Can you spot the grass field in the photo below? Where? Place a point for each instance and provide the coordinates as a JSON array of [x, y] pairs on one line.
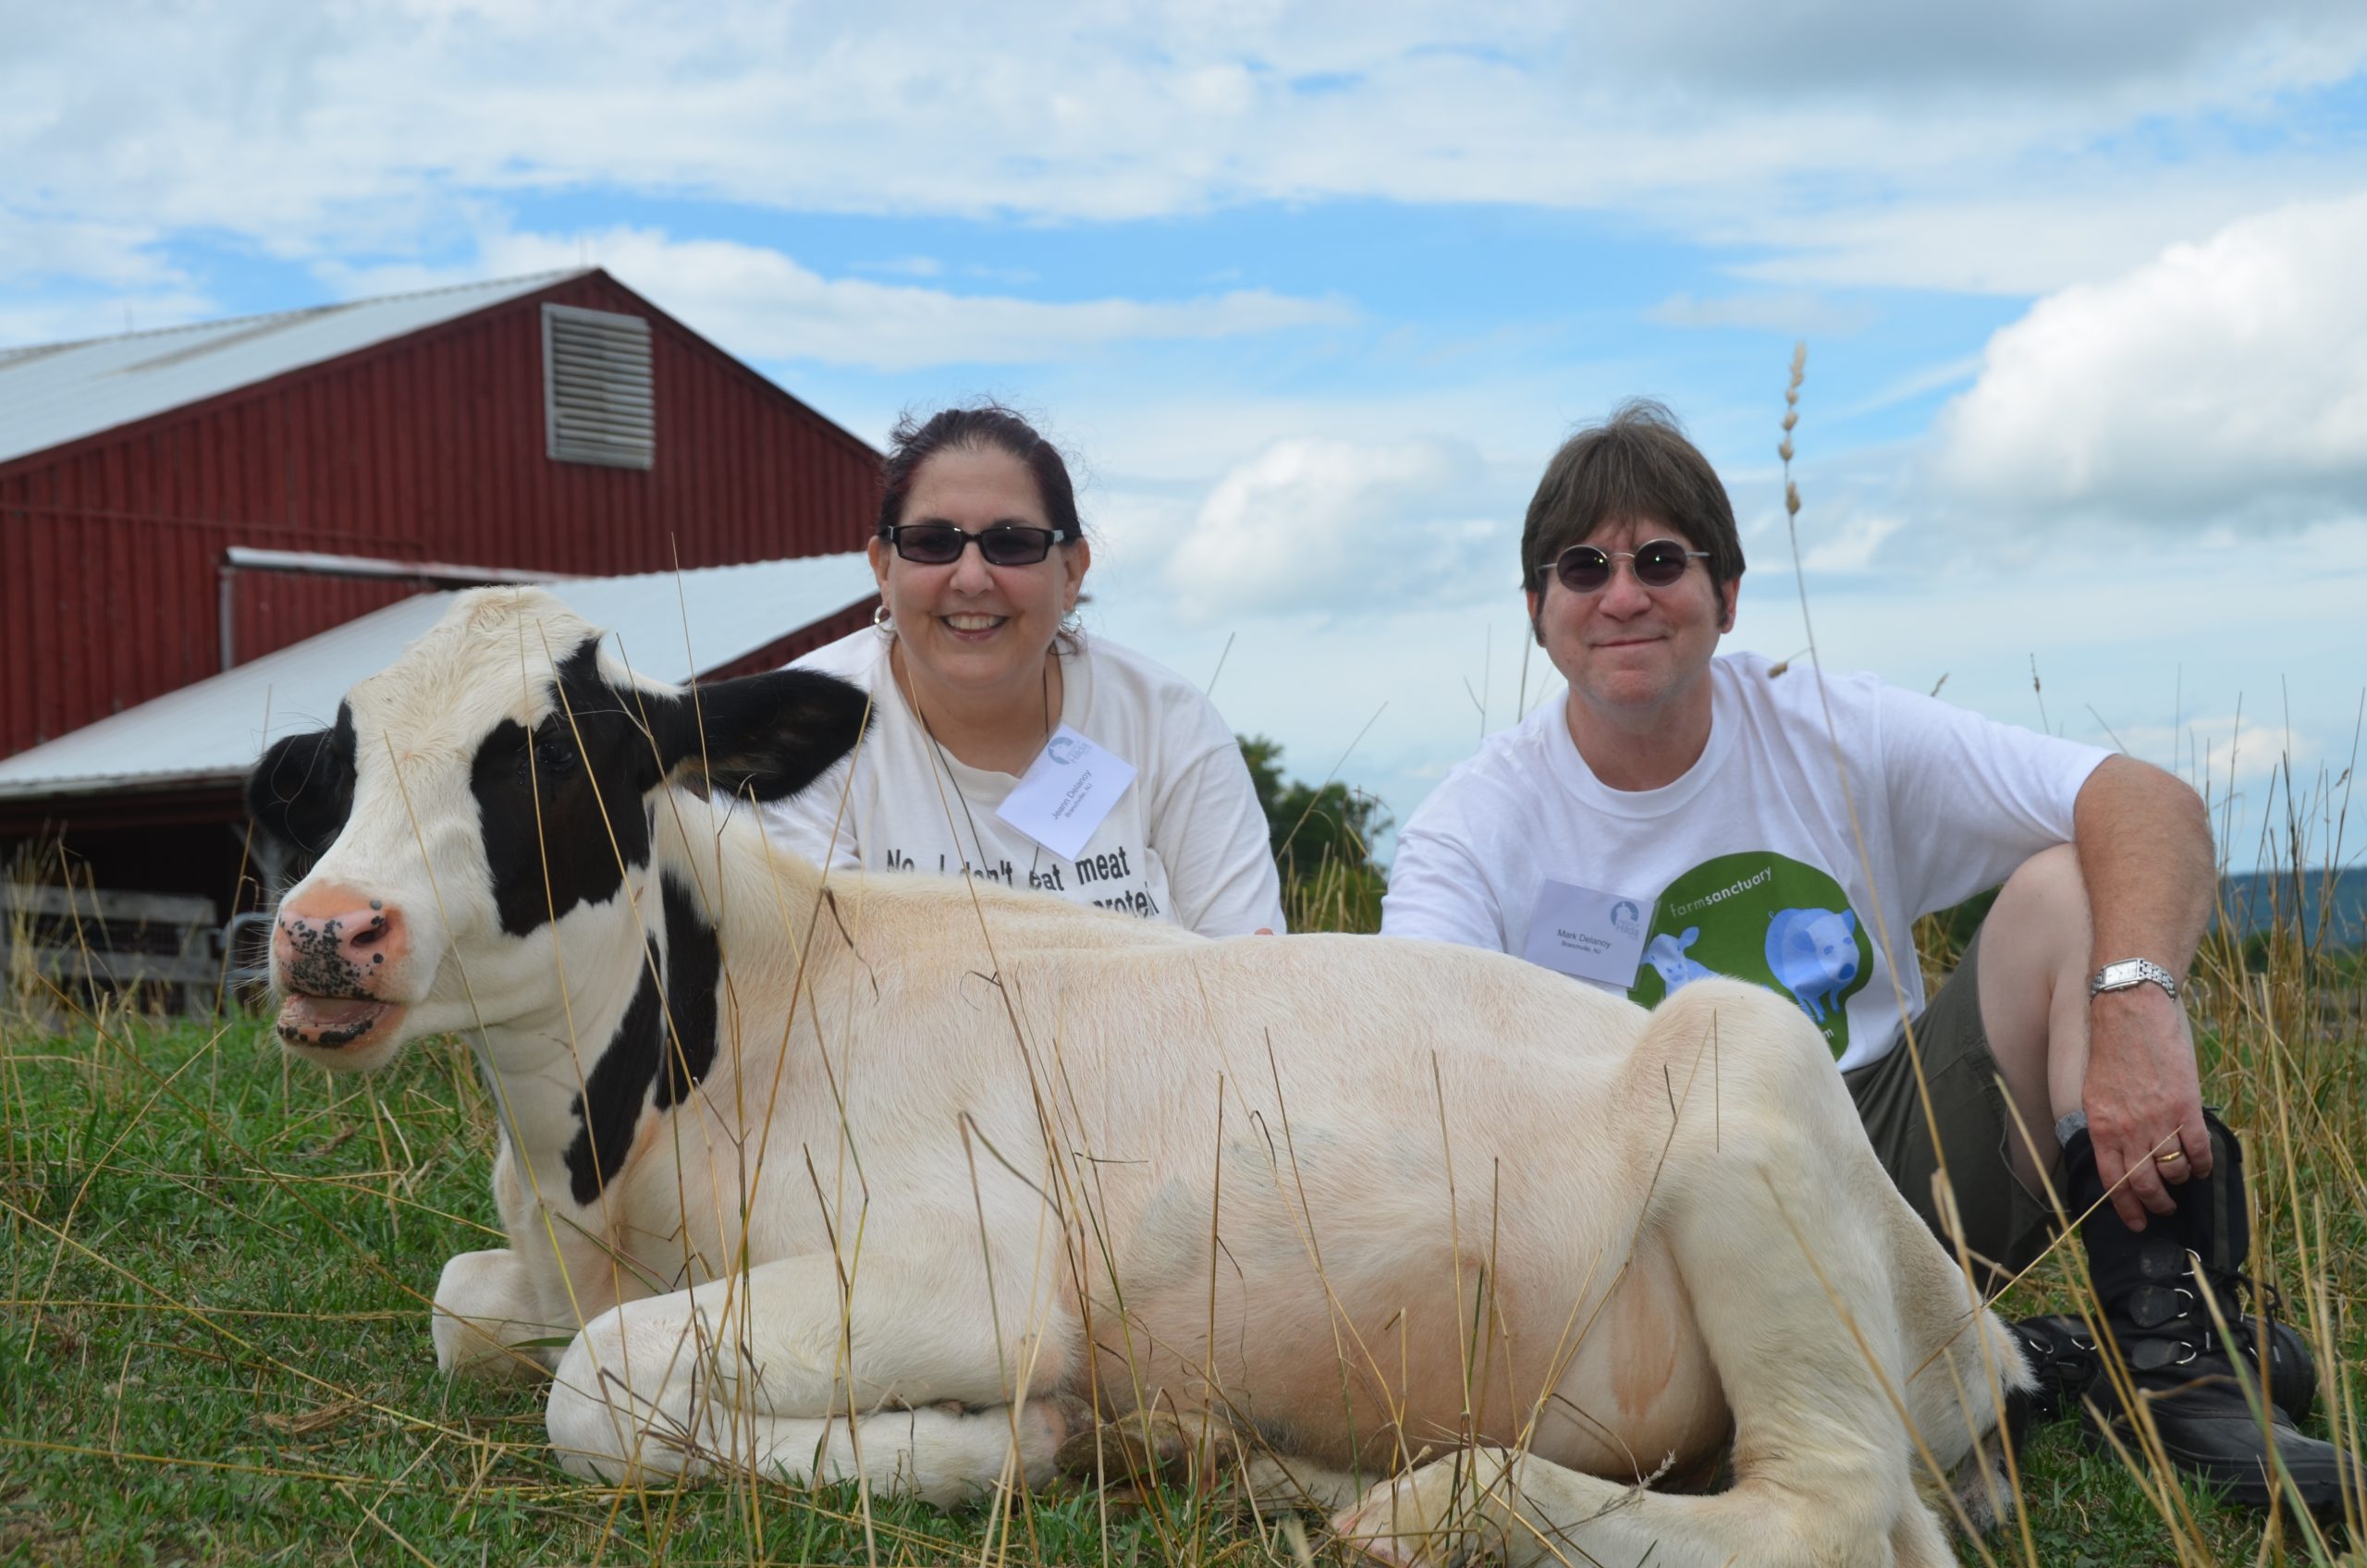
[[214, 1346]]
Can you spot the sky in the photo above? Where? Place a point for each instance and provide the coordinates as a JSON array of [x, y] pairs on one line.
[[1310, 293]]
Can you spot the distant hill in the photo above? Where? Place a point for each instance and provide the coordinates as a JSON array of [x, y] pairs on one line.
[[2254, 898]]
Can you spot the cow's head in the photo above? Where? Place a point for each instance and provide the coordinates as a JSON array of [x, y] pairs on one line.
[[498, 780]]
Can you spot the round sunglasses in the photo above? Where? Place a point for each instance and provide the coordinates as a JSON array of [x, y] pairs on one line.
[[1657, 563], [940, 543]]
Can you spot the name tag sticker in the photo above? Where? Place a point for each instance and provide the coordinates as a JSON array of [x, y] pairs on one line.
[[1066, 792], [1593, 936]]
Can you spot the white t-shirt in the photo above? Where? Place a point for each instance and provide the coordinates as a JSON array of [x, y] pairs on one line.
[[1748, 862], [1185, 843]]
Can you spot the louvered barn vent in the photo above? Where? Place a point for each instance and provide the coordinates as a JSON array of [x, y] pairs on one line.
[[597, 399]]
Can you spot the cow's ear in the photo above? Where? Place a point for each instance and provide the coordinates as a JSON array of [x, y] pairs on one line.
[[768, 736], [302, 788]]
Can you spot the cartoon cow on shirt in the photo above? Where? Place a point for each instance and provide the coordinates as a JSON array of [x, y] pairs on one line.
[[1667, 955]]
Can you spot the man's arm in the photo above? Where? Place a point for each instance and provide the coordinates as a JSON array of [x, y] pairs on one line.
[[2143, 840]]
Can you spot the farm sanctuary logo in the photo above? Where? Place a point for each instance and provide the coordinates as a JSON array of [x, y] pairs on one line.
[[1767, 919]]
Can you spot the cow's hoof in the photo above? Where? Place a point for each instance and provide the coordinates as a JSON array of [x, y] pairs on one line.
[[1151, 1446]]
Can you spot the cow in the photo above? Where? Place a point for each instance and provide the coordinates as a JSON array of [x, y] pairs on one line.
[[946, 1186]]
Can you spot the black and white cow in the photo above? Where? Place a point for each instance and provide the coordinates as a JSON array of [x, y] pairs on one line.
[[913, 1178]]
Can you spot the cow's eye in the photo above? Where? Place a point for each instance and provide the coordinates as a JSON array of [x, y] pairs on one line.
[[553, 756]]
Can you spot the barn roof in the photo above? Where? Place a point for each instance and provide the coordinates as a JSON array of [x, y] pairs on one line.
[[211, 731], [53, 393]]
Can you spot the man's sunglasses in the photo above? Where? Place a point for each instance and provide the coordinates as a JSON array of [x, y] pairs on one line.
[[1657, 564], [940, 543]]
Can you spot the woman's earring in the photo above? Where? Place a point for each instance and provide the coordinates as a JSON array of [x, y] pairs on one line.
[[1071, 624], [883, 622]]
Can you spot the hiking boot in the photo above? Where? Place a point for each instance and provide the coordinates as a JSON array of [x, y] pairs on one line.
[[2191, 1381], [2061, 1352], [2063, 1357]]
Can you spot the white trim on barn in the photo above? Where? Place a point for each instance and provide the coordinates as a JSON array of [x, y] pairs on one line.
[[669, 626]]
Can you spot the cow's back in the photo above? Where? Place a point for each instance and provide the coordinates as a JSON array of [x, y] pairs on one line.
[[1282, 1154], [1305, 1143]]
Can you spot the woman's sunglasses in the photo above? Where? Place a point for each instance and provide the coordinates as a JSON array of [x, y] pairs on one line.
[[1657, 564], [940, 543]]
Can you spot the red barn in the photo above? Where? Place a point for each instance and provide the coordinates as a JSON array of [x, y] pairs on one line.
[[178, 502]]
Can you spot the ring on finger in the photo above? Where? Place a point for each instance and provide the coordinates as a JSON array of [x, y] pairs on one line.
[[2170, 1158]]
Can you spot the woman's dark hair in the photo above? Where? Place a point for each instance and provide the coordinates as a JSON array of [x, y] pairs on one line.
[[1636, 464], [914, 442]]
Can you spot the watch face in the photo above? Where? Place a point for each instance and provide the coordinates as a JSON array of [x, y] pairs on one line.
[[2124, 973]]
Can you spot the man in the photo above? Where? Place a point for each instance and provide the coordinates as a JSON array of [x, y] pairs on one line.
[[1681, 815]]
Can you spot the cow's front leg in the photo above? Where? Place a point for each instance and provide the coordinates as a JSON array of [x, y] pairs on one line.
[[486, 1321], [751, 1368]]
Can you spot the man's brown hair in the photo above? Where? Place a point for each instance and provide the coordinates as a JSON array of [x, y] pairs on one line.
[[1638, 465]]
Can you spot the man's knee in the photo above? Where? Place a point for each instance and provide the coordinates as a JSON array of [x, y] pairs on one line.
[[2048, 887]]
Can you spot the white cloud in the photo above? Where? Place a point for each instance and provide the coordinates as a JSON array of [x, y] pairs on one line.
[[2217, 753], [1980, 229], [767, 306], [1852, 548], [1798, 311], [905, 266], [1914, 51], [2227, 376], [1856, 140], [1313, 525], [66, 278]]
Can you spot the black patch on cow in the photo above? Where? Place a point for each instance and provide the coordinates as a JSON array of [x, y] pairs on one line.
[[693, 973], [679, 984], [300, 791], [768, 736], [572, 785], [579, 777], [609, 1106]]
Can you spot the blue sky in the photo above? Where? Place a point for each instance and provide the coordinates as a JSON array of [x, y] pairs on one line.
[[1311, 292]]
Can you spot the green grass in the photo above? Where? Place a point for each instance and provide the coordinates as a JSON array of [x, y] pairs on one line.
[[214, 1349], [214, 1269]]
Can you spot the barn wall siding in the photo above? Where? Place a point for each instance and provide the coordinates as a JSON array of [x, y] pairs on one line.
[[429, 447]]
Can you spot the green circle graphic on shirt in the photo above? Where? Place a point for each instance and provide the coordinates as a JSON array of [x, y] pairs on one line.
[[1768, 919]]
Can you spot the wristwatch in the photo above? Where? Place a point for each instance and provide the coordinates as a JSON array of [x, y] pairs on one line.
[[2130, 972]]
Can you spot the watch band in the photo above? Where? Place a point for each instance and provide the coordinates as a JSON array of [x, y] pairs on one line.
[[2120, 976]]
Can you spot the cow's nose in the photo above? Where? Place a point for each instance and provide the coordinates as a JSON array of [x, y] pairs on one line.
[[334, 941]]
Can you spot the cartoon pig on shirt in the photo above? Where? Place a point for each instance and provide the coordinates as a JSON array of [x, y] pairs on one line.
[[1813, 953]]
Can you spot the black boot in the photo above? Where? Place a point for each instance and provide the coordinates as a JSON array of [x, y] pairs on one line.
[[2190, 1381], [2061, 1351]]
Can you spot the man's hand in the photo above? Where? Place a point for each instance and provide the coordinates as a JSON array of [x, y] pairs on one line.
[[2144, 846], [2144, 1101]]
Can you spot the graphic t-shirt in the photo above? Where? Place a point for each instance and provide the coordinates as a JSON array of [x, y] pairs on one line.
[[1748, 865], [1186, 842]]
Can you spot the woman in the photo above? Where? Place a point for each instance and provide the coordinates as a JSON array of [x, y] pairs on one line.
[[978, 670]]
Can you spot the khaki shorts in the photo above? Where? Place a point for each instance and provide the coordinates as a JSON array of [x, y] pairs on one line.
[[2004, 1225]]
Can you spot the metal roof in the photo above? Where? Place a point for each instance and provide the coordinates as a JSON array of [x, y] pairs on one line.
[[53, 393], [213, 730]]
